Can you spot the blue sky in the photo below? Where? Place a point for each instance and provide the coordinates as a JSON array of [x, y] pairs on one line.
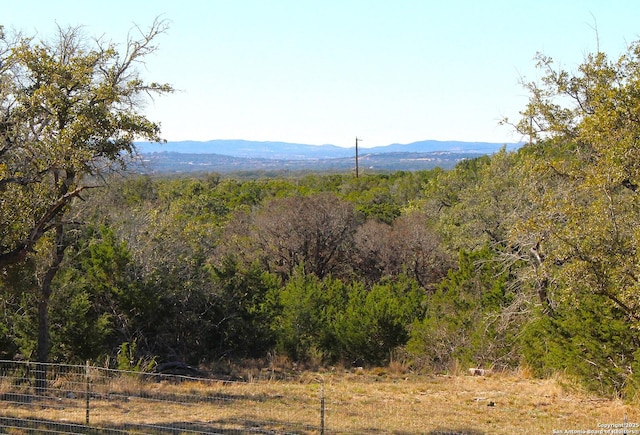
[[318, 72]]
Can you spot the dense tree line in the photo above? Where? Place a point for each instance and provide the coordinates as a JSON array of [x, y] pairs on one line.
[[524, 258]]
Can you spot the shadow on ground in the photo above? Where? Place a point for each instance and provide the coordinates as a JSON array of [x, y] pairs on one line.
[[19, 424], [465, 431]]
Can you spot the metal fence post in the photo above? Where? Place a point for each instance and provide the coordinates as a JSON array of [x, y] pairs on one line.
[[87, 391], [321, 407]]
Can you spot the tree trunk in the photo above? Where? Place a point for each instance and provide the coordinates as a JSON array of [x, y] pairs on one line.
[[42, 352]]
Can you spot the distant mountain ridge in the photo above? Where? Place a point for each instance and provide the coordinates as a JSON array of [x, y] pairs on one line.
[[296, 151], [226, 156]]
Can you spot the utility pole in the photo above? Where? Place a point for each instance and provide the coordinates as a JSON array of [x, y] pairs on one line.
[[357, 140]]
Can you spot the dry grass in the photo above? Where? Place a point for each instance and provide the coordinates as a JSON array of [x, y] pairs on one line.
[[500, 404], [382, 401]]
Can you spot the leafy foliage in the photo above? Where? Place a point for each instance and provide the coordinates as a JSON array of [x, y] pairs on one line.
[[465, 321], [98, 303], [320, 268], [590, 339], [68, 116], [329, 320], [67, 111], [375, 322], [584, 130]]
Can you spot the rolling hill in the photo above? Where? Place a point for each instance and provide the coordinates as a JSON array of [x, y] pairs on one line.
[[226, 156]]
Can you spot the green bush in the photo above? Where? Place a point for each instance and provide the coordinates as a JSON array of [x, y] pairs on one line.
[[462, 324], [346, 323], [587, 337], [375, 322]]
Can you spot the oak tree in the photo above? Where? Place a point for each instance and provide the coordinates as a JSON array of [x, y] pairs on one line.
[[315, 231], [584, 129], [70, 110], [588, 128]]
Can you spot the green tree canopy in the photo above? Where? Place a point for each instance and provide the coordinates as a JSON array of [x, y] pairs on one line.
[[586, 132], [69, 115], [69, 111], [585, 147]]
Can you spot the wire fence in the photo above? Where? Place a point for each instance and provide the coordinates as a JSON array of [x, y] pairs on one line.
[[77, 399]]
